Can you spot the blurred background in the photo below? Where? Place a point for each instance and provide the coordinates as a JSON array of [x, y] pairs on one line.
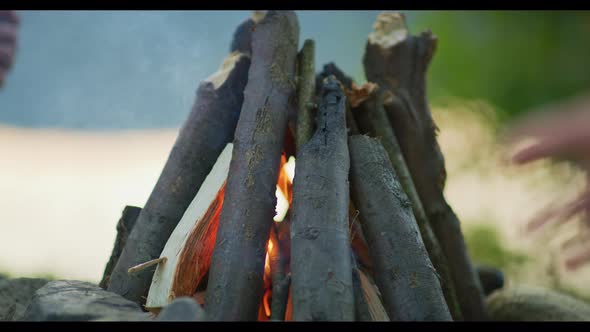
[[93, 104]]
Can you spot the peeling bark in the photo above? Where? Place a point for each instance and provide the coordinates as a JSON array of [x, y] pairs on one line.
[[320, 244], [235, 285], [207, 130], [124, 227], [373, 120], [398, 62], [404, 274]]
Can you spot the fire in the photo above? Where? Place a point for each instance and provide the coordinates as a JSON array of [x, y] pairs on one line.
[[267, 278], [284, 197], [284, 187], [267, 260]]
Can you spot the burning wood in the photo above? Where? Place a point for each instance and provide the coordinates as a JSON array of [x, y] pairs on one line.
[[190, 246]]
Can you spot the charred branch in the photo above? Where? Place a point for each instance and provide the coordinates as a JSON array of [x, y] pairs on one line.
[[373, 120], [320, 245], [403, 271]]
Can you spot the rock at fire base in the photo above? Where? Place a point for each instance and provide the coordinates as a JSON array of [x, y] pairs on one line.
[[490, 277], [527, 303], [182, 309], [71, 300], [15, 294]]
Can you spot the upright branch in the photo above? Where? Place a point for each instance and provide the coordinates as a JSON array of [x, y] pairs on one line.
[[348, 84], [242, 39], [320, 245], [403, 271], [373, 120], [305, 92], [398, 63], [124, 227], [207, 130], [235, 285]]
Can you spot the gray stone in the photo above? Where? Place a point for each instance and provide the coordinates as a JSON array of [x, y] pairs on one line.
[[182, 309], [490, 277], [71, 300], [15, 294], [527, 303]]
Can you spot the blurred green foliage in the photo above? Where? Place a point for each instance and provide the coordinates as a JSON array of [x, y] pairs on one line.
[[485, 247], [516, 60]]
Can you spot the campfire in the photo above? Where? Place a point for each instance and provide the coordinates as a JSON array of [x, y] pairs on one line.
[[296, 195]]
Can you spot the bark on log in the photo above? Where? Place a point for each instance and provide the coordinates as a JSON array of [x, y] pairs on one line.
[[373, 120], [206, 132], [403, 271], [305, 92], [398, 63], [320, 243], [124, 227], [236, 274]]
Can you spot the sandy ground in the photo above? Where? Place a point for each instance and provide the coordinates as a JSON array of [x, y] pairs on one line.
[[62, 192]]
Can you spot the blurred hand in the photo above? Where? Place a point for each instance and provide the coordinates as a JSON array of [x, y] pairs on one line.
[[561, 133], [8, 39]]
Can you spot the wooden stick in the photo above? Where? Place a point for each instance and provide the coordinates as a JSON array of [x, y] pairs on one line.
[[373, 120], [305, 92], [124, 227], [235, 283], [398, 63], [403, 271], [143, 266], [320, 245], [205, 133]]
